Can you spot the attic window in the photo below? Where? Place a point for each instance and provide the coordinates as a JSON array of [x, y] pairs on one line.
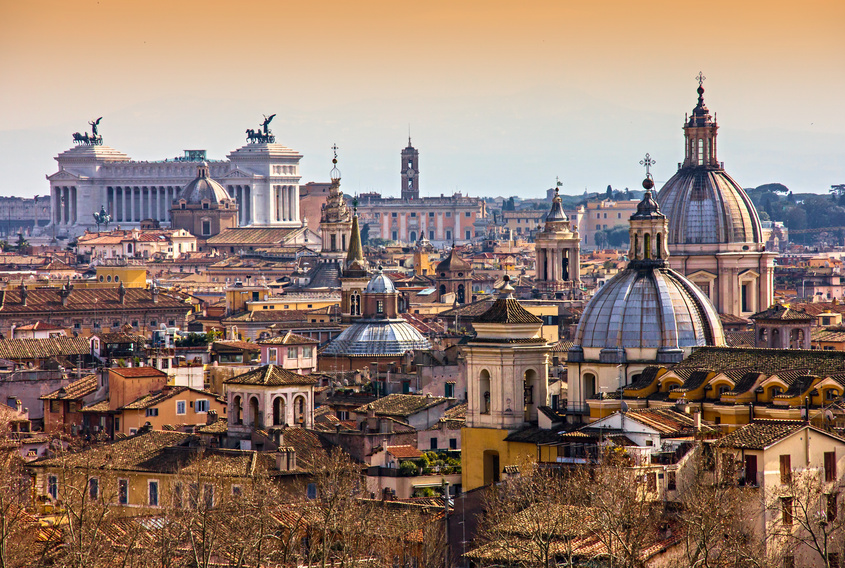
[[181, 205]]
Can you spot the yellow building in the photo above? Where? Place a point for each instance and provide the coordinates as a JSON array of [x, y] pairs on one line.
[[171, 405], [507, 382], [132, 276], [291, 302]]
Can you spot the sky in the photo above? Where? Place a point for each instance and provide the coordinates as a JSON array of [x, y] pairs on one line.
[[500, 97]]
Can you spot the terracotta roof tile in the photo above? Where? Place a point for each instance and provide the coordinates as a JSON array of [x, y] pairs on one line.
[[401, 405], [17, 349], [289, 338], [769, 361], [271, 375], [779, 312], [75, 390], [137, 372], [404, 452], [761, 434], [507, 311]]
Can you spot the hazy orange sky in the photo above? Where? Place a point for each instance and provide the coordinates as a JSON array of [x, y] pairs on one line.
[[501, 97]]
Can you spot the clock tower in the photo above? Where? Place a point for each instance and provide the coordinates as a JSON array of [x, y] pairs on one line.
[[410, 172]]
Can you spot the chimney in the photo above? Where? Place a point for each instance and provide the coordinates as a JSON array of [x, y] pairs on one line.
[[286, 459], [64, 294], [211, 417], [372, 421], [697, 421], [121, 292], [24, 293], [154, 292]]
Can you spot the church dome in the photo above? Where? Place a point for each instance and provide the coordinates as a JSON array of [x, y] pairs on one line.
[[377, 337], [203, 188], [706, 206], [380, 284], [452, 263], [649, 308]]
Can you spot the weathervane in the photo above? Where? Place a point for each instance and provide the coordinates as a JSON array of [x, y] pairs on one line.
[[647, 162]]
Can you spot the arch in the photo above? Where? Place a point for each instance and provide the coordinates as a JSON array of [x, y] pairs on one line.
[[254, 412], [668, 384], [484, 390], [355, 303], [647, 246], [412, 236], [636, 249], [658, 241], [299, 410], [461, 294], [796, 338], [279, 411], [531, 393], [442, 290], [589, 386], [237, 409]]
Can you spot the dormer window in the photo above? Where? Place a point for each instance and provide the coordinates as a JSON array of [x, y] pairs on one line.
[[182, 205], [205, 205]]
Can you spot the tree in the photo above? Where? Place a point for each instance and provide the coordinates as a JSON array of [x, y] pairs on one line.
[[609, 192], [808, 517]]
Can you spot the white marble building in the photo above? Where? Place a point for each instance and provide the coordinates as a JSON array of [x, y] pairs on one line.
[[262, 177]]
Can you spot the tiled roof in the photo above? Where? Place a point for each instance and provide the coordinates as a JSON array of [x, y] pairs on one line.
[[645, 379], [289, 338], [17, 349], [533, 435], [75, 390], [271, 316], [251, 236], [507, 311], [760, 434], [779, 312], [694, 381], [85, 300], [128, 454], [732, 319], [120, 337], [664, 420], [350, 399], [770, 361], [219, 426], [402, 405], [137, 372], [472, 310], [830, 334], [745, 382], [739, 338], [156, 398], [38, 326], [270, 375], [562, 346], [99, 406], [224, 344], [404, 452]]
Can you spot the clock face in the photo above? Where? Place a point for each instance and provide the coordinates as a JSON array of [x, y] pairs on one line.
[[410, 173]]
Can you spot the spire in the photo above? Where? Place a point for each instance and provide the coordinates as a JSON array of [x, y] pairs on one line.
[[556, 212], [335, 173], [355, 253], [700, 133]]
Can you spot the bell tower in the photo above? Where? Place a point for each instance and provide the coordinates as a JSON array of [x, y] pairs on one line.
[[700, 134], [410, 172], [557, 251], [648, 227]]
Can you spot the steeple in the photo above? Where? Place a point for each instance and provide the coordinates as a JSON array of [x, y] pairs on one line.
[[355, 255], [700, 134], [410, 171], [335, 221], [648, 227]]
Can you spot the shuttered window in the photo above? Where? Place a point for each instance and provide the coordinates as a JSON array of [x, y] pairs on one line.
[[786, 469]]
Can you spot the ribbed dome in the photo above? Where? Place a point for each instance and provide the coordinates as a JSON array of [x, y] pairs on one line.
[[706, 206], [377, 337], [649, 308], [380, 284], [203, 188], [452, 263]]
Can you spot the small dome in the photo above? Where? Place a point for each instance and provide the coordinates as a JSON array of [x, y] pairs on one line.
[[203, 188], [556, 212], [706, 206], [379, 337], [453, 263], [380, 284], [649, 308]]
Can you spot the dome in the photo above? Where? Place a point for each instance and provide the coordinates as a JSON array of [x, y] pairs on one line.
[[452, 263], [377, 337], [203, 188], [706, 206], [380, 284], [649, 308]]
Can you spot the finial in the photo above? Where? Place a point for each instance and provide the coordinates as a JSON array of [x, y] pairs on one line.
[[701, 78], [409, 135], [648, 161], [335, 173]]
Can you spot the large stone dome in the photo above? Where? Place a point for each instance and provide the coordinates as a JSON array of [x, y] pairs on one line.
[[377, 337], [706, 206], [649, 308], [203, 188]]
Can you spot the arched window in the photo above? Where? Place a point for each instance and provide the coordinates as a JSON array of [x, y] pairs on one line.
[[442, 289], [484, 391], [589, 389], [461, 294], [355, 304], [659, 242], [636, 249], [299, 410], [279, 411], [254, 413], [412, 236], [701, 151], [529, 393], [238, 409], [647, 245]]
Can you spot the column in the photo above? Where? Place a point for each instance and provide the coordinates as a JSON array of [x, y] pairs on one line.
[[66, 205], [73, 205], [131, 192], [296, 214], [55, 205]]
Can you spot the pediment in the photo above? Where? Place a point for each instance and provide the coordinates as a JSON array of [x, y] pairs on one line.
[[701, 275], [63, 175], [236, 174], [749, 275]]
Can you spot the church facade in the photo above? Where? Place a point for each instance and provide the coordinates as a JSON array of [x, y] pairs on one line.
[[262, 177]]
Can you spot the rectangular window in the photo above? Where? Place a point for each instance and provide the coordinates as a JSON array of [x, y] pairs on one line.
[[751, 471], [236, 491], [53, 486], [152, 493], [468, 235], [413, 214], [449, 390], [434, 443], [201, 405], [123, 491], [448, 235], [293, 352], [453, 443], [830, 466], [786, 510], [651, 482], [93, 488], [393, 214], [206, 227], [343, 415], [448, 213], [152, 412], [117, 423], [208, 495], [193, 495], [307, 352], [55, 405], [786, 469], [380, 306], [311, 491], [431, 213], [180, 407]]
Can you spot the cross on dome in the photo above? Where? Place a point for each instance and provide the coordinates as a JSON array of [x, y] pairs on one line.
[[648, 161], [701, 78]]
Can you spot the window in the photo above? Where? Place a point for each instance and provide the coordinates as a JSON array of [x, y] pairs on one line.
[[208, 495], [786, 510], [77, 325], [453, 443], [293, 352], [307, 352], [413, 214], [53, 486], [431, 213], [393, 214], [448, 235], [830, 466], [831, 394], [311, 491], [434, 443], [152, 412], [431, 235], [449, 390], [180, 407], [152, 493], [93, 488], [55, 406], [395, 235], [786, 469], [201, 405], [133, 431], [206, 227], [672, 482], [123, 491], [193, 495], [236, 491], [117, 423], [379, 306], [448, 213], [751, 470], [467, 214], [468, 235]]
